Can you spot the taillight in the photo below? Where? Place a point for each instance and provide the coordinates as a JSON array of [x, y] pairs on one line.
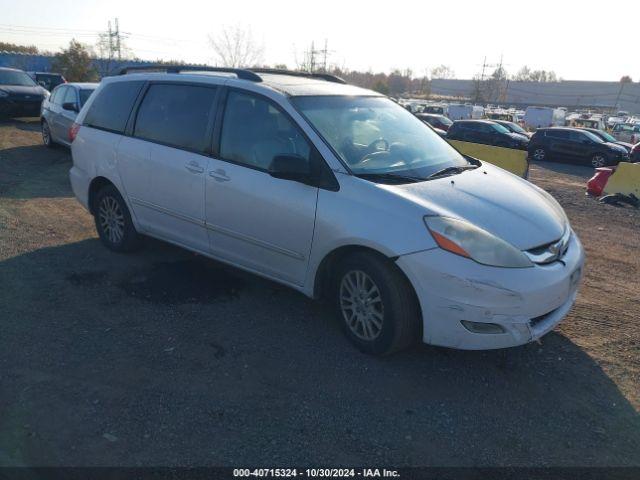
[[73, 131]]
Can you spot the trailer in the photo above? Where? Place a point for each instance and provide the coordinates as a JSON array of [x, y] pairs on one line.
[[459, 111], [541, 117]]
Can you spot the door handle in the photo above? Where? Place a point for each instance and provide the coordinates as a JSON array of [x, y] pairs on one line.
[[194, 167], [219, 175]]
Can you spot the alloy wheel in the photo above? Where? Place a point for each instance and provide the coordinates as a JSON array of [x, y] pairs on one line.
[[111, 219], [598, 161], [46, 133], [539, 154], [361, 305]]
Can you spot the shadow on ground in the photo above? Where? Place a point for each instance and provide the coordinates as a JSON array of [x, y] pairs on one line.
[[166, 358], [34, 171]]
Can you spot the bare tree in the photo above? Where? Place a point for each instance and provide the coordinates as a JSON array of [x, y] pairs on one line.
[[234, 46], [442, 71]]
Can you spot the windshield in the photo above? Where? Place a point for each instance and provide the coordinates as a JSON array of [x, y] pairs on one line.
[[500, 128], [13, 77], [373, 135], [606, 136], [514, 127], [593, 137]]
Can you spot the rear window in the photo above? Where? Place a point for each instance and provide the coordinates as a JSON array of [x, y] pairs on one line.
[[176, 115], [111, 109]]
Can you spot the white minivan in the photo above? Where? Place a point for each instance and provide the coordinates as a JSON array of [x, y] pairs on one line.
[[333, 190]]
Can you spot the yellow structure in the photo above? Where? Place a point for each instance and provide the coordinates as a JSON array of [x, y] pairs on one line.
[[626, 179], [515, 161]]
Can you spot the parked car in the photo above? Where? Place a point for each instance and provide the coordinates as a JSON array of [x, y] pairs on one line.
[[635, 153], [47, 80], [486, 132], [279, 174], [436, 121], [513, 127], [436, 109], [592, 123], [542, 117], [609, 138], [20, 96], [626, 132], [502, 115], [60, 110], [573, 145]]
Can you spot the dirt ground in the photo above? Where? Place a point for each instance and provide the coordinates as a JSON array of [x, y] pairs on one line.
[[166, 358]]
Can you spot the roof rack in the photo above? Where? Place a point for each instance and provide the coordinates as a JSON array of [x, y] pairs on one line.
[[250, 74], [240, 73], [321, 76]]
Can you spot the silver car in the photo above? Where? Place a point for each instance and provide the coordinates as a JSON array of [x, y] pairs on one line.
[[333, 190], [60, 110]]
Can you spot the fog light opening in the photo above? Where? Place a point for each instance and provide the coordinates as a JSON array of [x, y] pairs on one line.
[[481, 327]]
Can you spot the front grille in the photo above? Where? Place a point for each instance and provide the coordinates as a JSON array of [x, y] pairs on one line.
[[550, 252]]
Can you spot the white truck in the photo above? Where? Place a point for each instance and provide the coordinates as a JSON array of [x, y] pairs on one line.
[[459, 111], [540, 117]]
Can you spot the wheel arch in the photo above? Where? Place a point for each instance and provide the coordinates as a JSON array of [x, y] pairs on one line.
[[327, 265], [94, 187]]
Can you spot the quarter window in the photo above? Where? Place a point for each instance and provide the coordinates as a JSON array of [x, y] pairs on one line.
[[254, 131], [110, 110], [70, 96], [176, 115]]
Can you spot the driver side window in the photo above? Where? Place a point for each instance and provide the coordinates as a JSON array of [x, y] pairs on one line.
[[254, 131]]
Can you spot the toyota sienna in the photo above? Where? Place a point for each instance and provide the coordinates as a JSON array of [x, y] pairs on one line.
[[333, 190]]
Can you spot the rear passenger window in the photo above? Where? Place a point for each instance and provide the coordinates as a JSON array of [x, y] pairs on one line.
[[111, 109], [254, 131], [176, 115]]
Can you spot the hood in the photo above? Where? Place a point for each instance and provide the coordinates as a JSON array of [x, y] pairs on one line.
[[519, 137], [497, 201], [625, 145], [617, 147], [22, 90]]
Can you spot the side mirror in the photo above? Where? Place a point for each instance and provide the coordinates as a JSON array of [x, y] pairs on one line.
[[291, 167], [72, 107], [42, 84]]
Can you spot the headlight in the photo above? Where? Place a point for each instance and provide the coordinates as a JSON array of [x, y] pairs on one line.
[[3, 94], [463, 238]]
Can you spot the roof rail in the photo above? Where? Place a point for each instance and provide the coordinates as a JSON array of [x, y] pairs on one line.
[[322, 76], [240, 73]]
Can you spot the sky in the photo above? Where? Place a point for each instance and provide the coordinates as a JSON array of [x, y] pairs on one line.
[[579, 40]]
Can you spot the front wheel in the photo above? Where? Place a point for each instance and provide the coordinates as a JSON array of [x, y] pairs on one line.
[[113, 221], [539, 154], [598, 160], [376, 304]]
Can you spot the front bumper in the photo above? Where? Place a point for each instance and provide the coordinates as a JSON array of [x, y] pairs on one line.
[[526, 303]]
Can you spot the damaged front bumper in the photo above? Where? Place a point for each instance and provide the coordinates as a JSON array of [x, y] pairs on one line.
[[521, 304]]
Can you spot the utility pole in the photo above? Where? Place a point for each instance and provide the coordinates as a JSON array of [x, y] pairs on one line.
[[117, 35]]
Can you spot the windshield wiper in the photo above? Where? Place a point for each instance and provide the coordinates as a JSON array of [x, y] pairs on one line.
[[389, 176], [451, 171]]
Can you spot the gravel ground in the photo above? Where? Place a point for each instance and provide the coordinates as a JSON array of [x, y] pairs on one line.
[[166, 358]]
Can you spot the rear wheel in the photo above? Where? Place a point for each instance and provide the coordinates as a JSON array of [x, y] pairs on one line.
[[46, 135], [113, 221], [376, 304]]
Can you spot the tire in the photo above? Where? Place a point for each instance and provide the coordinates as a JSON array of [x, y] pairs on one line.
[[46, 135], [539, 154], [113, 221], [599, 160], [389, 319]]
